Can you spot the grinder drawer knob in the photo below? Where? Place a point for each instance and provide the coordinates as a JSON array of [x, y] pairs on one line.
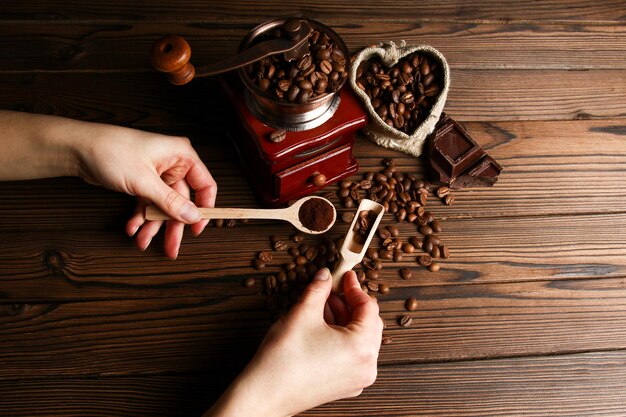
[[319, 180]]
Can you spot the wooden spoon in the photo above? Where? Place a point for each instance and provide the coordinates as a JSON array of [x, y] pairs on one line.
[[351, 251], [290, 214]]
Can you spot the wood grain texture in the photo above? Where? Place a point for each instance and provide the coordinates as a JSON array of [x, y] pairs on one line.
[[120, 47], [550, 168], [374, 10], [87, 265], [590, 384], [212, 332], [475, 95]]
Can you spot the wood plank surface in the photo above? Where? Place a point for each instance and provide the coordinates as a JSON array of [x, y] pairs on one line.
[[527, 317], [212, 332], [590, 384], [374, 10], [86, 265], [118, 47], [475, 95], [550, 168]]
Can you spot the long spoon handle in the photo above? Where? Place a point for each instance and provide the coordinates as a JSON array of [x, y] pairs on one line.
[[154, 213]]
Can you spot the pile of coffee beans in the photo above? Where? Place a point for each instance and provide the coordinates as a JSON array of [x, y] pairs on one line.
[[298, 258], [323, 70], [404, 94], [363, 225]]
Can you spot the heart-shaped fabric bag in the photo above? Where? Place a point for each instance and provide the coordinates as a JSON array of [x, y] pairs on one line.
[[379, 131]]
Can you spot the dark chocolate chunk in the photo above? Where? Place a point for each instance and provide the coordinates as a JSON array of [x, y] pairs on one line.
[[457, 160]]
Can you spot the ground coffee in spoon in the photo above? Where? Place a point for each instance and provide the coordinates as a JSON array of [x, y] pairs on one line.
[[316, 214]]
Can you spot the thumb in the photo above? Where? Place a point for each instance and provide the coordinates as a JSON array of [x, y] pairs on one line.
[[170, 201], [317, 292]]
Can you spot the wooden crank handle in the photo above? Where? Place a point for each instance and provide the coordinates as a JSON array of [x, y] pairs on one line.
[[171, 54]]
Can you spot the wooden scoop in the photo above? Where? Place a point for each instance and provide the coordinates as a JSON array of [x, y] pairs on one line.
[[290, 214], [351, 251]]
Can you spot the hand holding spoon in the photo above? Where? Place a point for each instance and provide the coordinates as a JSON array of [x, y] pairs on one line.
[[352, 250], [313, 215]]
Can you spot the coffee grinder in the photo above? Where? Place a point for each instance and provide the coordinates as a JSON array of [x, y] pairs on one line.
[[288, 148]]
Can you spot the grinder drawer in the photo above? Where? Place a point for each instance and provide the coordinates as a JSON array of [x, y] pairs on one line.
[[332, 165]]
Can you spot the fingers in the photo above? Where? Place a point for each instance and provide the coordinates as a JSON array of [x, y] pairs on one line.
[[364, 309], [316, 293], [169, 200], [341, 313], [329, 317], [138, 218], [200, 179], [147, 232], [174, 229]]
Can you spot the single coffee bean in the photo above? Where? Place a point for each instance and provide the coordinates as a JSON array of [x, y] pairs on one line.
[[384, 233], [360, 275], [443, 191], [397, 256], [434, 267], [408, 248], [425, 230], [411, 304], [425, 260], [436, 226], [372, 286], [277, 136], [449, 199], [270, 282], [249, 282], [347, 216], [406, 273], [258, 264], [301, 260], [265, 257], [415, 241], [395, 232], [385, 254], [387, 340], [371, 253], [373, 274], [383, 288], [445, 252], [427, 246], [435, 253], [405, 321]]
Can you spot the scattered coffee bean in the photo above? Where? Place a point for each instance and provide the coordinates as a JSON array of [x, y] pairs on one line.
[[433, 267], [383, 288], [411, 304], [405, 321], [265, 257], [372, 286], [406, 273], [387, 340], [425, 260], [258, 264], [347, 217], [277, 136], [449, 199], [249, 282], [445, 252]]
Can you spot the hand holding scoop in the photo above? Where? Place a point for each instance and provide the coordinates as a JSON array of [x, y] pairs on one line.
[[313, 215], [354, 246]]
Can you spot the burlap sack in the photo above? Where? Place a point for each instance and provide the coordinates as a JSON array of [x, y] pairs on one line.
[[377, 130]]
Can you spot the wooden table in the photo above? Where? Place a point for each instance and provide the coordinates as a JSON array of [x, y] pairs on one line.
[[528, 317]]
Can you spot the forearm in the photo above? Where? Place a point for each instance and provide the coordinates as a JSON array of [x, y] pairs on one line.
[[37, 146]]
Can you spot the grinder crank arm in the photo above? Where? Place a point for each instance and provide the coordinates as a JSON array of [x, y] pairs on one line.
[[171, 54]]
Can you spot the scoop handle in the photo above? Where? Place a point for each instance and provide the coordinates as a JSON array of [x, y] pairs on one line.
[[154, 213], [343, 267]]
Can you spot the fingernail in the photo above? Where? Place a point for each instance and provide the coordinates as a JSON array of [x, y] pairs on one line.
[[190, 213], [323, 274], [132, 233], [147, 244]]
